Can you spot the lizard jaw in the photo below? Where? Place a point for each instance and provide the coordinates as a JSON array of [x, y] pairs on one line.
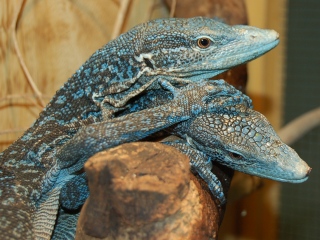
[[303, 179], [300, 180], [298, 174]]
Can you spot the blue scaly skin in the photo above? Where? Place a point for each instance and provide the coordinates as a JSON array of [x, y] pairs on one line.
[[180, 51]]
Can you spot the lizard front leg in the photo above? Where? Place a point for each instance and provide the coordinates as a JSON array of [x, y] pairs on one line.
[[114, 100], [226, 95], [201, 164], [223, 95]]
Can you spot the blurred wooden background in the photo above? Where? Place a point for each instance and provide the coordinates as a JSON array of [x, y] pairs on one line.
[[42, 43]]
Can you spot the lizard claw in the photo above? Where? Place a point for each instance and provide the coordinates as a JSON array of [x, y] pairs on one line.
[[168, 86], [193, 145], [190, 141]]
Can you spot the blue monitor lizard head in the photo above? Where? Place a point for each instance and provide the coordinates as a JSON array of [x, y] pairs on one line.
[[244, 140]]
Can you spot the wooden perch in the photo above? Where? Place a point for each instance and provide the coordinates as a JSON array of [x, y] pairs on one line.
[[145, 191]]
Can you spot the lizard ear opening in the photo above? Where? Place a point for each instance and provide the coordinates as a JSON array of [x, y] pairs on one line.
[[148, 63]]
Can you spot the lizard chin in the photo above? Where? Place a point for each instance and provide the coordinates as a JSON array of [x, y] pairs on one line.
[[295, 181]]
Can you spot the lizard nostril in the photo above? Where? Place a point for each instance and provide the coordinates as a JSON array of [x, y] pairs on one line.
[[309, 171]]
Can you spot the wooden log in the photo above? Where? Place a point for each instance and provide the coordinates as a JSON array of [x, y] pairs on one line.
[[145, 190]]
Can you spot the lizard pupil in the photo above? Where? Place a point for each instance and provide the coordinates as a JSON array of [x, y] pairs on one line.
[[204, 42]]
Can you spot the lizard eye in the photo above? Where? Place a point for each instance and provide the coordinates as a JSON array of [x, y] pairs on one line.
[[204, 42], [235, 156]]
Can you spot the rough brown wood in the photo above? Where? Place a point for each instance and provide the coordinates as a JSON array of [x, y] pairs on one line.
[[145, 191]]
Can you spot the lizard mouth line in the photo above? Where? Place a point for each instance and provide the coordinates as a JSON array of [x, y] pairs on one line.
[[288, 180], [258, 50], [292, 180], [253, 54]]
